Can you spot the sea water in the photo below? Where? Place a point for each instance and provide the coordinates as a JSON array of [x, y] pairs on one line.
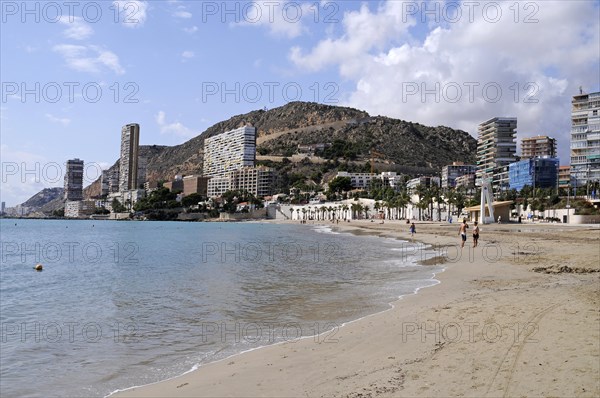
[[122, 304]]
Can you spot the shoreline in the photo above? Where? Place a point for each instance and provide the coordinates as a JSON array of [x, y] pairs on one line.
[[390, 306], [381, 354]]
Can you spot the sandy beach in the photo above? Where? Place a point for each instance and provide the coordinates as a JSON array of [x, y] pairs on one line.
[[517, 316]]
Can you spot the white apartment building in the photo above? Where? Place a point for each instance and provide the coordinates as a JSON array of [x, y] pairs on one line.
[[358, 180], [258, 181], [79, 208], [496, 145], [423, 181], [128, 161], [585, 138], [217, 186], [362, 180], [229, 151]]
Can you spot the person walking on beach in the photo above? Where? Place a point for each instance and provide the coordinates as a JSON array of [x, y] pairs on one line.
[[462, 231], [412, 229], [475, 234]]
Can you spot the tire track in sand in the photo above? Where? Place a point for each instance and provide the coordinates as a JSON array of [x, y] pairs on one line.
[[509, 364]]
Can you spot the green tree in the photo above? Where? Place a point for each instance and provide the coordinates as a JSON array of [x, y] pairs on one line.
[[117, 206], [59, 212], [191, 200], [340, 184], [161, 198]]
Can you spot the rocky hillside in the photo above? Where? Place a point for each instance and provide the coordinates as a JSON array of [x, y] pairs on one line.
[[409, 146], [396, 142], [44, 197]]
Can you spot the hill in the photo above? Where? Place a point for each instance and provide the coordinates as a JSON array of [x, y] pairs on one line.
[[44, 197], [403, 146]]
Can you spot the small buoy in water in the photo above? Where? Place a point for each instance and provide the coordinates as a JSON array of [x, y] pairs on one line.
[[38, 267]]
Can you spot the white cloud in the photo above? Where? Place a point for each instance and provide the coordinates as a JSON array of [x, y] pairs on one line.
[[182, 14], [191, 30], [364, 31], [188, 54], [132, 13], [282, 18], [77, 29], [89, 58], [175, 128], [544, 61], [64, 121]]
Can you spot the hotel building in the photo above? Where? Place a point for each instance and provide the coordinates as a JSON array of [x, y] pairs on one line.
[[73, 189], [229, 160], [258, 181], [496, 145], [451, 172], [110, 181], [229, 151], [362, 180], [564, 176], [585, 138], [128, 162], [540, 145]]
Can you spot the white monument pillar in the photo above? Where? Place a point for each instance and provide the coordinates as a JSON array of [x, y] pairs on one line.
[[486, 196]]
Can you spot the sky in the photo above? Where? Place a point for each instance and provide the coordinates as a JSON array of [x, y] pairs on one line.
[[73, 73]]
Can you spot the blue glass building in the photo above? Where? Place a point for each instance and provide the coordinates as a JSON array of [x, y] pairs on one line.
[[539, 172]]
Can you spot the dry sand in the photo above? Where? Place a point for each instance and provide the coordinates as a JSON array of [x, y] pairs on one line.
[[518, 316]]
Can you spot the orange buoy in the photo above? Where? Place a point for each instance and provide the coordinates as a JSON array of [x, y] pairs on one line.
[[38, 267]]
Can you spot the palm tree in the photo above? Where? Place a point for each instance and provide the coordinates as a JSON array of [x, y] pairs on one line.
[[355, 207], [388, 205], [345, 210], [291, 212], [402, 201], [366, 210], [427, 199], [420, 191], [459, 201], [451, 199], [422, 205], [437, 194]]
